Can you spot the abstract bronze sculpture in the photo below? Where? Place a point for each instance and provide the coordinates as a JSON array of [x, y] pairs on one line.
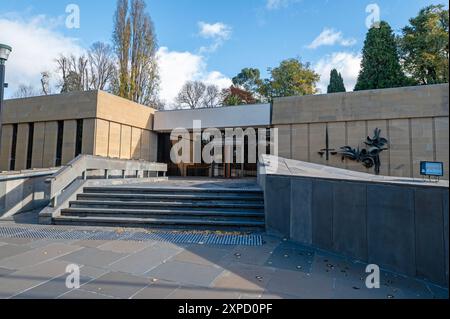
[[370, 157]]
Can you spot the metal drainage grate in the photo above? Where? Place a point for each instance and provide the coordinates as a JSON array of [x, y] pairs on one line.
[[163, 236]]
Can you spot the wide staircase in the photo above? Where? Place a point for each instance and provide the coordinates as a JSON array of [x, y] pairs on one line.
[[167, 207]]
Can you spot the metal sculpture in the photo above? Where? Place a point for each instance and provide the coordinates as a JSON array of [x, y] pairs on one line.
[[327, 150], [370, 156]]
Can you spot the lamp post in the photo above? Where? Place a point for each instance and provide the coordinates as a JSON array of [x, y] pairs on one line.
[[5, 50]]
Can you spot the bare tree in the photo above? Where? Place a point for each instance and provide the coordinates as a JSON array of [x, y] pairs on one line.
[[191, 94], [101, 66], [25, 91], [135, 46], [212, 96], [74, 73], [45, 83]]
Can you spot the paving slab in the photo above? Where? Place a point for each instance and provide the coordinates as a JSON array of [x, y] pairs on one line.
[[50, 289], [8, 250], [144, 260], [300, 285], [83, 294], [203, 293], [33, 257], [290, 258], [124, 247], [160, 289], [117, 284], [204, 255], [16, 282], [245, 279], [186, 273], [93, 257], [4, 272]]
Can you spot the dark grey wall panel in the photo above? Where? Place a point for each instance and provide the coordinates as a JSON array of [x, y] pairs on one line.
[[430, 263], [301, 213], [278, 203], [349, 220], [445, 213], [322, 214], [390, 233]]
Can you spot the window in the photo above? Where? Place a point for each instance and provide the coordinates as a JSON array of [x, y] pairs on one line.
[[12, 163], [30, 144], [79, 138], [59, 143]]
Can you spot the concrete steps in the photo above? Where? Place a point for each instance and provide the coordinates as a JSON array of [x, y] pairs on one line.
[[199, 208]]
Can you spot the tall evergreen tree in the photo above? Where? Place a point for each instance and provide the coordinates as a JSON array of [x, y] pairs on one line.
[[336, 82], [380, 66]]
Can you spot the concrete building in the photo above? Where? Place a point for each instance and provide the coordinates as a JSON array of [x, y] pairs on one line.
[[50, 131]]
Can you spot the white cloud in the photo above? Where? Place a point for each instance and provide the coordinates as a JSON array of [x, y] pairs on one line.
[[348, 64], [278, 4], [215, 30], [178, 67], [218, 32], [36, 44], [331, 37]]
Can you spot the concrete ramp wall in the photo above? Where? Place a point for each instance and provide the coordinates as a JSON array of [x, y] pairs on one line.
[[398, 224]]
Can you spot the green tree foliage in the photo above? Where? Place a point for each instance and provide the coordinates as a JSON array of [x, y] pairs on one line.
[[424, 46], [248, 79], [380, 66], [291, 77], [336, 82]]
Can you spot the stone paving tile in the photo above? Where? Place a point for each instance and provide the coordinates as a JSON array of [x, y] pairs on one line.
[[50, 289], [93, 257], [24, 279], [159, 289], [410, 288], [83, 294], [124, 247], [355, 289], [438, 292], [8, 250], [90, 243], [268, 295], [203, 293], [301, 285], [186, 273], [36, 256], [144, 260], [293, 258], [204, 255], [117, 284], [92, 272], [45, 242], [254, 255], [17, 241], [4, 272], [244, 278]]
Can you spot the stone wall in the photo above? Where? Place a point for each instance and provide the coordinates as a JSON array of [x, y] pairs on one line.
[[415, 120], [112, 127], [397, 224]]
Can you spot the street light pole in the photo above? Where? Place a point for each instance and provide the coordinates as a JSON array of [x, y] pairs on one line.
[[5, 50]]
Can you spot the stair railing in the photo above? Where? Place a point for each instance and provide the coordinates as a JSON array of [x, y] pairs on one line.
[[79, 168]]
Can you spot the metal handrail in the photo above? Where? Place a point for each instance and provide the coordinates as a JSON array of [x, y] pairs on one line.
[[79, 167]]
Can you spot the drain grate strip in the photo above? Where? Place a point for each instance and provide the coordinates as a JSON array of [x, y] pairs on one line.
[[173, 237]]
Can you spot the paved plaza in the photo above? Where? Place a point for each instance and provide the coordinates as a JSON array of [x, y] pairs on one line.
[[35, 267]]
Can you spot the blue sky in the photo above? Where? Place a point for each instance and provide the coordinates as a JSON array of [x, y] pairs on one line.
[[209, 40]]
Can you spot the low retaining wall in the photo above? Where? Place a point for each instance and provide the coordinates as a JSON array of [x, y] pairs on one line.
[[398, 224], [23, 191]]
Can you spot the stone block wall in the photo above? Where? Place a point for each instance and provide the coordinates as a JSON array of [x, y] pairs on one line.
[[415, 120], [403, 228]]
